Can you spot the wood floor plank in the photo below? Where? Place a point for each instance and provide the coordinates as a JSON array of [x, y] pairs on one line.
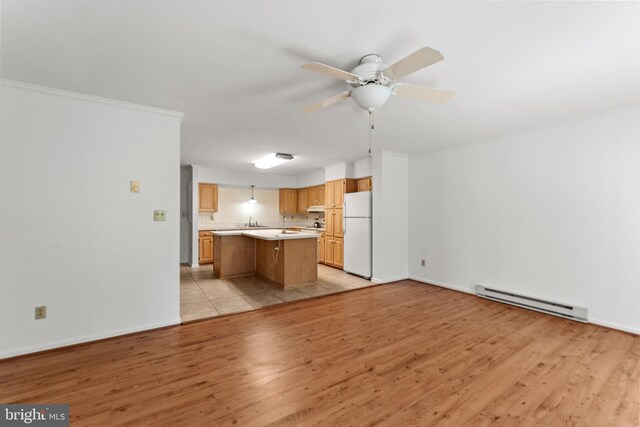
[[398, 354]]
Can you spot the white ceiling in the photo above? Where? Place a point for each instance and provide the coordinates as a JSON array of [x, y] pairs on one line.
[[233, 68]]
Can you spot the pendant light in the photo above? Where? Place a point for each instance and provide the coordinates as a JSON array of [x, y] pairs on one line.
[[252, 200]]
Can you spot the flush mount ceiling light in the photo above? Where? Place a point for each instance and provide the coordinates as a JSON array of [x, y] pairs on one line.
[[273, 159], [252, 200]]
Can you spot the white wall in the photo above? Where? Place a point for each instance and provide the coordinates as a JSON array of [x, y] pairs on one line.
[[74, 238], [390, 216], [245, 179], [362, 168], [553, 213], [338, 171], [310, 179]]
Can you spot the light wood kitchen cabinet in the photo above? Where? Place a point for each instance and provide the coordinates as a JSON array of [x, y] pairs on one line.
[[337, 223], [328, 251], [320, 189], [333, 222], [329, 218], [364, 184], [205, 245], [334, 252], [334, 199], [335, 190], [302, 200], [207, 197], [328, 195], [312, 196], [338, 253], [321, 243], [288, 201]]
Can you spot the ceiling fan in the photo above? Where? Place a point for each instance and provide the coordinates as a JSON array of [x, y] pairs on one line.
[[373, 82]]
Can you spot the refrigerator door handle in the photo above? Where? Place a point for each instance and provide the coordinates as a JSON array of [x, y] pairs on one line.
[[344, 218]]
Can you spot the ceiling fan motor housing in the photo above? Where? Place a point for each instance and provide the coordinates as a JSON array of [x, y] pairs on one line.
[[370, 68]]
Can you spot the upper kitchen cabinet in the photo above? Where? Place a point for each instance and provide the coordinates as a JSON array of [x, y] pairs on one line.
[[335, 190], [302, 200], [207, 197], [312, 196], [364, 184], [320, 195], [315, 195], [288, 200]]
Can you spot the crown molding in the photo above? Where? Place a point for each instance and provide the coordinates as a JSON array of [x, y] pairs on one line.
[[90, 98]]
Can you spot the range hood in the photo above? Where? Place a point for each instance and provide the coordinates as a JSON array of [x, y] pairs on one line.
[[316, 208]]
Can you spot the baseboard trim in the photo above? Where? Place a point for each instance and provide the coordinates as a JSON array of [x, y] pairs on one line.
[[613, 325], [393, 279], [599, 322], [444, 285], [87, 339]]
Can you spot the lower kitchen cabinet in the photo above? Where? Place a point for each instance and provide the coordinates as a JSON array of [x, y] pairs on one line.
[[334, 252], [338, 253], [205, 253]]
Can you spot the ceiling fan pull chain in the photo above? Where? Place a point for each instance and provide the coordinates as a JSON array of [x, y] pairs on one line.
[[371, 127]]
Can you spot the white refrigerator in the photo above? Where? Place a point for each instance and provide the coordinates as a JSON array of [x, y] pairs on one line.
[[357, 233]]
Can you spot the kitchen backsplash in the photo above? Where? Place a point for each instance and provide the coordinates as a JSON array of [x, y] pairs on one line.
[[234, 211], [205, 221]]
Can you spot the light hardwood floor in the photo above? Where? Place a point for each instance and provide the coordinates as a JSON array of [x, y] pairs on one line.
[[396, 355]]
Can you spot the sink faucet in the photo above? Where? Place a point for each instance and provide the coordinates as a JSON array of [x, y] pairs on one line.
[[250, 221]]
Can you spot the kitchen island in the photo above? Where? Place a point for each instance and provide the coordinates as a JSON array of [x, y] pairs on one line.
[[286, 260]]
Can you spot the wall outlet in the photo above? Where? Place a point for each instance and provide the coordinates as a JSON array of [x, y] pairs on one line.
[[41, 312], [159, 215], [423, 262], [135, 186]]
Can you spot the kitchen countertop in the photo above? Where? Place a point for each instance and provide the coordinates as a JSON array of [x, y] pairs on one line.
[[223, 228], [268, 234]]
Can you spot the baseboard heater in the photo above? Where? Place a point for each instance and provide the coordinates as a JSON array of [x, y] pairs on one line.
[[557, 309]]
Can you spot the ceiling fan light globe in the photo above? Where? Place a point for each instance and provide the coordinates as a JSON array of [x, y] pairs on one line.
[[371, 96]]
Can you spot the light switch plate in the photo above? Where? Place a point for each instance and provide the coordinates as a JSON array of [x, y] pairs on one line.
[[159, 215], [135, 186], [41, 312]]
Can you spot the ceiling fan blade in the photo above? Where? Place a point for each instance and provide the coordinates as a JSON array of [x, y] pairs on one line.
[[419, 59], [423, 93], [325, 103], [328, 70]]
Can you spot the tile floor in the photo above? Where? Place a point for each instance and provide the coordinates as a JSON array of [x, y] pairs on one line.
[[202, 296]]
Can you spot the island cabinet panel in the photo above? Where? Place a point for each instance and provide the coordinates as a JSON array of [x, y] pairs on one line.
[[234, 256], [207, 197], [321, 244], [205, 246], [288, 201], [287, 263], [302, 200]]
